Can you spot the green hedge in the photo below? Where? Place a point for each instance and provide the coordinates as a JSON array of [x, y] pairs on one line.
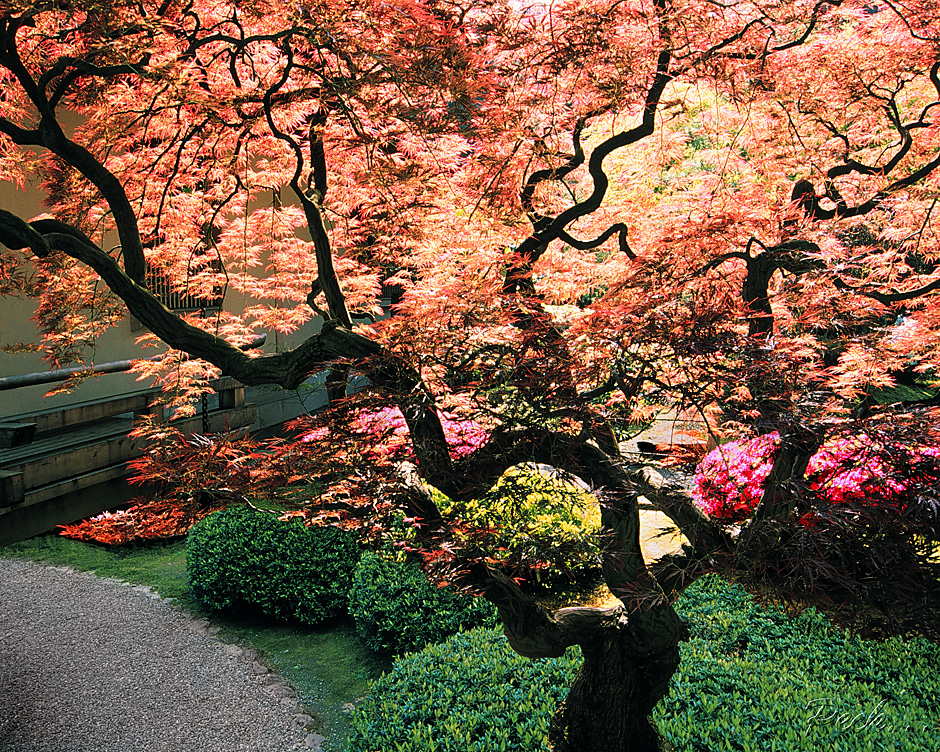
[[397, 609], [750, 680], [471, 693], [242, 556], [753, 679]]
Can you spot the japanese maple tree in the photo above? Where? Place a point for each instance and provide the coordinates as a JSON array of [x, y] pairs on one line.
[[592, 209]]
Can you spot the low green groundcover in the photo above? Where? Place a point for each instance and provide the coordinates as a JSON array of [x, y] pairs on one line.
[[751, 679]]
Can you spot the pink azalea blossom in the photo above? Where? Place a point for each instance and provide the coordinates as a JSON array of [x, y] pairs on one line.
[[388, 424], [729, 480]]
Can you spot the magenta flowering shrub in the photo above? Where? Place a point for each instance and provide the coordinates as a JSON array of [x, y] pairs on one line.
[[729, 481], [463, 436], [853, 470], [391, 440], [390, 431]]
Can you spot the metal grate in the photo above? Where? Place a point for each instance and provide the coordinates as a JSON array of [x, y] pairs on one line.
[[159, 284]]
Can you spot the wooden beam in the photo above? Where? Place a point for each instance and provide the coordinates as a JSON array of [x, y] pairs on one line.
[[12, 490], [16, 434]]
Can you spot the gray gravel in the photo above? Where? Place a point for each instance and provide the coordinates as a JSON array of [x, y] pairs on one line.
[[95, 665]]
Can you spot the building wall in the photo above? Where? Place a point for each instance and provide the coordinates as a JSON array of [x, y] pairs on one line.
[[275, 405]]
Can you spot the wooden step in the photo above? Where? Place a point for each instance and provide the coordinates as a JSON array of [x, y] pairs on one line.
[[78, 473], [16, 434]]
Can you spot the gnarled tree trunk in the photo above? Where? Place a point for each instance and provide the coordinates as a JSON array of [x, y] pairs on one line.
[[628, 662], [626, 671], [630, 649]]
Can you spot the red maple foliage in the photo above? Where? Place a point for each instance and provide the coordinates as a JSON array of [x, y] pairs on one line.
[[142, 521], [592, 211], [187, 478]]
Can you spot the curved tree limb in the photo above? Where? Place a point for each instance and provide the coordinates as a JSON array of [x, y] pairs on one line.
[[17, 234], [794, 256], [810, 200], [888, 298], [49, 134], [620, 229], [311, 202], [288, 369], [533, 631], [548, 229], [705, 535]]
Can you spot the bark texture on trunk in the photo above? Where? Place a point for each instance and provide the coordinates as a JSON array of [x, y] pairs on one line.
[[631, 649], [626, 671], [337, 380], [629, 659]]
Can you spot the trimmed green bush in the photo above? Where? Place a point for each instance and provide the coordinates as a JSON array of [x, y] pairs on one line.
[[471, 693], [245, 557], [751, 680], [397, 609]]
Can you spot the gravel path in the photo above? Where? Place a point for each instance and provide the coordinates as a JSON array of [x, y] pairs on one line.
[[95, 665]]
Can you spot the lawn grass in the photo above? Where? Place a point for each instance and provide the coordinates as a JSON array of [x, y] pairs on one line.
[[162, 566], [328, 665]]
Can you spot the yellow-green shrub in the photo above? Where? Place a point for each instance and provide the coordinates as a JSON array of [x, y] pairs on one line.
[[536, 518]]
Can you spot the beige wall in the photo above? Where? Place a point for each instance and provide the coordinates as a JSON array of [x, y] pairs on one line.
[[116, 344], [16, 326]]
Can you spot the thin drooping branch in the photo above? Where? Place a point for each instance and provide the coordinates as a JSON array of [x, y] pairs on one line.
[[288, 369], [311, 201]]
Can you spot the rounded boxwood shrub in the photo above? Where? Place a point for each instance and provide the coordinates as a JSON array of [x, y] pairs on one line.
[[397, 609], [245, 557], [470, 693], [751, 679]]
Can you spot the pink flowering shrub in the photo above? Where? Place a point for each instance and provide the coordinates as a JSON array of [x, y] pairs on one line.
[[729, 481], [391, 439], [852, 469]]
